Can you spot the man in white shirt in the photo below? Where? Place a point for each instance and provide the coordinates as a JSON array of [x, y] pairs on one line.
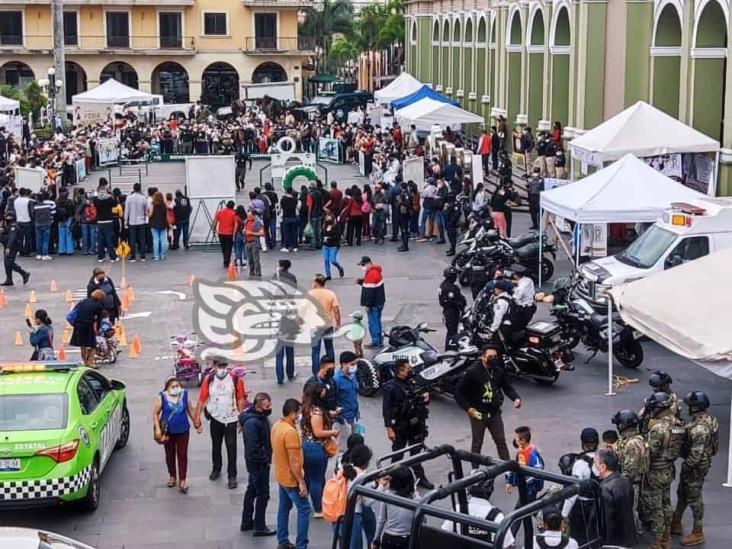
[[22, 206], [502, 303], [552, 536], [523, 297]]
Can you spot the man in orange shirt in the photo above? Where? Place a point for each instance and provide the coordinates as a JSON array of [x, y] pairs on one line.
[[328, 302], [224, 225], [287, 460]]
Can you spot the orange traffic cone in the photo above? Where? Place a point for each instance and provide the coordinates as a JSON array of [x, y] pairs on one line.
[[3, 298], [131, 293], [18, 339], [125, 303], [61, 353], [33, 298], [66, 337], [121, 337], [28, 311], [231, 272], [123, 283], [54, 286], [191, 280], [135, 348], [69, 296]]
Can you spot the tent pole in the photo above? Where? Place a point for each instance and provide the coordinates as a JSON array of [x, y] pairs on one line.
[[541, 244], [716, 174], [728, 484], [609, 345], [578, 245]]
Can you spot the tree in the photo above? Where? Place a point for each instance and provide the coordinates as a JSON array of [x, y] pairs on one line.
[[36, 99], [322, 22], [11, 92]]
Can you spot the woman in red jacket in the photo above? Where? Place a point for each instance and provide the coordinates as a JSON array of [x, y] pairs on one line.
[[355, 217]]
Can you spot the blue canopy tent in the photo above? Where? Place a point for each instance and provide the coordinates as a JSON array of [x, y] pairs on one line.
[[421, 93]]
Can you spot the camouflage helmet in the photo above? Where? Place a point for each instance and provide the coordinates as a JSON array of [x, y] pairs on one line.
[[657, 401], [624, 419], [659, 379], [697, 401]]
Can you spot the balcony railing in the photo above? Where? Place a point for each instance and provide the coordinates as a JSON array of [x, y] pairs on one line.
[[259, 44], [280, 3], [96, 43]]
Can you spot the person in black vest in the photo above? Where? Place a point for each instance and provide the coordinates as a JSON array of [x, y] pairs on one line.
[[182, 210], [453, 304], [534, 190], [552, 537], [9, 236], [616, 494]]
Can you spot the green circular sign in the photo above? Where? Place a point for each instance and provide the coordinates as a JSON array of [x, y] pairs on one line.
[[295, 172]]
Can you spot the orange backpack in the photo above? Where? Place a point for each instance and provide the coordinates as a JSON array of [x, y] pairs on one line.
[[335, 497]]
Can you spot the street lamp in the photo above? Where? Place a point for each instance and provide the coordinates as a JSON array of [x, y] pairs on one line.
[[51, 86]]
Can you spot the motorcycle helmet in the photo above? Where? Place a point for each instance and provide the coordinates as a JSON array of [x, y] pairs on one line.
[[401, 336], [697, 401], [590, 435], [659, 400], [450, 274], [625, 419], [660, 380]]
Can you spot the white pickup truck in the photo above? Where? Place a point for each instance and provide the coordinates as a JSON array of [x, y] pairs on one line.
[[685, 232]]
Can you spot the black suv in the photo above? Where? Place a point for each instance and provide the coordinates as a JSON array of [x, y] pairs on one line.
[[339, 104]]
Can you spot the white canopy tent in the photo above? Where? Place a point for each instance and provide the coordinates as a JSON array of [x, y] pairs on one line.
[[695, 325], [427, 112], [8, 105], [403, 85], [10, 115], [112, 91], [628, 191], [642, 130]]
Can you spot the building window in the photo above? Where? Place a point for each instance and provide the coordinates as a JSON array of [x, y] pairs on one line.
[[214, 24], [171, 30], [118, 29], [265, 31], [11, 28], [71, 29]]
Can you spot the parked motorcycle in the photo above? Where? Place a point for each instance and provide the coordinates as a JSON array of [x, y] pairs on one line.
[[581, 324], [432, 369]]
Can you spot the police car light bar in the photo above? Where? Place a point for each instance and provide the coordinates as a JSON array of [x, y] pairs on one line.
[[50, 366], [688, 208]]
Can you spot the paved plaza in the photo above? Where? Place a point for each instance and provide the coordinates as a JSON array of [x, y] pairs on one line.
[[138, 511]]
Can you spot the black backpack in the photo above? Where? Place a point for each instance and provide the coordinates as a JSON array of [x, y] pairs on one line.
[[567, 461], [544, 545]]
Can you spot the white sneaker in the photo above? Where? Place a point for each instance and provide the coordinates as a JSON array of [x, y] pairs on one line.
[[285, 250], [295, 249], [39, 257], [46, 258]]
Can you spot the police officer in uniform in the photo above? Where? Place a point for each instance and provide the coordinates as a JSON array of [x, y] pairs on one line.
[[702, 443], [580, 510], [479, 276], [524, 294], [502, 303], [453, 304], [10, 238], [402, 215], [451, 213], [665, 439], [404, 418], [632, 455]]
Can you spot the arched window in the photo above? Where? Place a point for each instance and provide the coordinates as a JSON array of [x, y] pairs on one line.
[[121, 72], [171, 81]]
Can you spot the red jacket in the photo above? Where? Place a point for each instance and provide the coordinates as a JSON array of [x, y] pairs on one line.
[[372, 287]]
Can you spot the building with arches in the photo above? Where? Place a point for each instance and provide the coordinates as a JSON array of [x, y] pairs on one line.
[[184, 50], [578, 62]]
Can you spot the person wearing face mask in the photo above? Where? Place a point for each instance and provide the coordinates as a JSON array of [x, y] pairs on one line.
[[171, 412], [100, 281], [373, 298], [398, 417], [257, 457], [223, 396], [480, 393], [346, 397]]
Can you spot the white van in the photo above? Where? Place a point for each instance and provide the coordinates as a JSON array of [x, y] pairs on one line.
[[685, 232]]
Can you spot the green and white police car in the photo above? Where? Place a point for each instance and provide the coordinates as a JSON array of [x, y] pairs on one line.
[[59, 424]]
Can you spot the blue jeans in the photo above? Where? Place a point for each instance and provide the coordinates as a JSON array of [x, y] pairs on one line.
[[88, 238], [288, 498], [375, 328], [43, 239], [439, 218], [289, 232], [283, 351], [330, 257], [239, 248], [65, 241], [426, 214], [315, 463], [329, 350], [160, 242], [105, 240]]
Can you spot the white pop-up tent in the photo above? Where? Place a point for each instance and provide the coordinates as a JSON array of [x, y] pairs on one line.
[[628, 191], [695, 325], [9, 106], [10, 115], [642, 130], [427, 112], [112, 91], [403, 85]]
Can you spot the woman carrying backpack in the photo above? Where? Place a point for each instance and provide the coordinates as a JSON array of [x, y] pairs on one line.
[[88, 216], [41, 336]]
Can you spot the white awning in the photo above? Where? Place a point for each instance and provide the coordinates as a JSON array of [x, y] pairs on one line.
[[642, 130], [628, 191], [405, 84], [7, 104], [112, 91], [428, 112]]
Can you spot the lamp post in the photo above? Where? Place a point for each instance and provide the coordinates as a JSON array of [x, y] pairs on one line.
[[52, 86]]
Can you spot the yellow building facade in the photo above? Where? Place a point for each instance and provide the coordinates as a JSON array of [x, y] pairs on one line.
[[185, 50]]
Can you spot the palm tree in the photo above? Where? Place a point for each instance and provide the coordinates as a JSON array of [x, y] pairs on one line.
[[326, 19]]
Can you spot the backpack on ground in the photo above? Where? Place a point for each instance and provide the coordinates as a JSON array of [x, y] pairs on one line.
[[335, 497]]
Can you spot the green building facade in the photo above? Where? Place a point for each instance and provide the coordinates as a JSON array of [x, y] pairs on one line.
[[578, 62]]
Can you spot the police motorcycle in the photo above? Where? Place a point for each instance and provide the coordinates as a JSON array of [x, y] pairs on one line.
[[478, 225], [580, 323], [539, 352], [432, 369]]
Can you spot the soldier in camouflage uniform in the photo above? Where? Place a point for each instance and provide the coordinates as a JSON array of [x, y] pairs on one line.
[[702, 442], [632, 455], [661, 381], [664, 440]]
